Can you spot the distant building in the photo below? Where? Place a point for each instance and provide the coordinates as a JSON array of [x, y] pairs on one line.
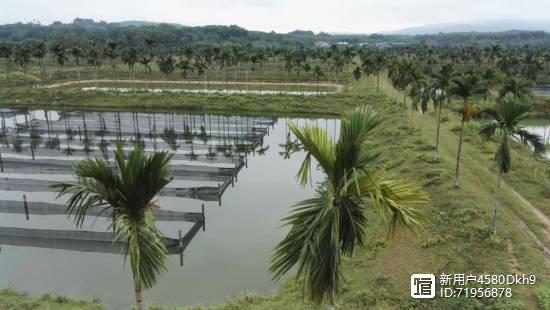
[[342, 43], [321, 44]]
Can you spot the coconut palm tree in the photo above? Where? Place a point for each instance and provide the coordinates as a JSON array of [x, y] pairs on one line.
[[465, 86], [128, 191], [332, 224], [504, 125]]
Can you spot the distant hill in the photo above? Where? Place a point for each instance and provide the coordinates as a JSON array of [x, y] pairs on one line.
[[168, 36], [486, 26]]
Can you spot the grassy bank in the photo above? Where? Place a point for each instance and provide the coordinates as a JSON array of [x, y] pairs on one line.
[[334, 104], [457, 238], [13, 300]]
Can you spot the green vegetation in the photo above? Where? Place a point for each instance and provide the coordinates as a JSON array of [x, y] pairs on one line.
[[334, 222], [504, 124], [458, 237], [128, 190], [173, 34], [332, 104], [10, 300]]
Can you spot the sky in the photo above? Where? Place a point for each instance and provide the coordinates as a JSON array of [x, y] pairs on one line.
[[341, 16]]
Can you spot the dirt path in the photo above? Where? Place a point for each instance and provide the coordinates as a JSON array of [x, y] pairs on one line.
[[339, 87]]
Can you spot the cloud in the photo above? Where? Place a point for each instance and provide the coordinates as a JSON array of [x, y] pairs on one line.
[[284, 15]]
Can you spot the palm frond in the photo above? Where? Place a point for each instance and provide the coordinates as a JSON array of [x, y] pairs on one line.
[[319, 145], [313, 245], [146, 248], [531, 139]]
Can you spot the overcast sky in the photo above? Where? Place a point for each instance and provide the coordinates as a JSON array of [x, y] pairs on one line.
[[357, 16]]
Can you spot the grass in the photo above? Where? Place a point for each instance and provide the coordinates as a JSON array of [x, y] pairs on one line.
[[270, 72], [11, 300], [457, 238], [332, 104]]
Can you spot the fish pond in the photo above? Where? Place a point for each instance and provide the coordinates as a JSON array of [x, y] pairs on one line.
[[234, 180]]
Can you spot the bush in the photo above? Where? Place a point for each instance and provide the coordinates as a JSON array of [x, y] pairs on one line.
[[542, 292]]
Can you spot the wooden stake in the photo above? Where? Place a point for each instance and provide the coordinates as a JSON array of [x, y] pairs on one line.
[[26, 206]]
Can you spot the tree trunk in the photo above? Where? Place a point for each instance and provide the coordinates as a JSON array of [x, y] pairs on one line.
[[457, 184], [8, 73], [114, 77], [497, 201], [378, 82], [139, 299], [438, 127]]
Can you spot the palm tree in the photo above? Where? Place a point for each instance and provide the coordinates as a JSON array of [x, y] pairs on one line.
[[22, 57], [506, 115], [130, 57], [494, 51], [59, 53], [6, 52], [465, 86], [201, 66], [531, 66], [518, 87], [95, 58], [39, 51], [318, 71], [332, 224], [128, 191], [442, 84], [146, 62], [77, 53], [357, 73], [111, 52], [166, 65], [379, 61], [404, 74]]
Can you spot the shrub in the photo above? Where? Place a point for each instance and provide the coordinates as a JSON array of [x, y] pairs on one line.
[[542, 292]]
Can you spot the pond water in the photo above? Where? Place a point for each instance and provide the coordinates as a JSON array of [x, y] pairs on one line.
[[231, 256], [541, 128], [541, 90], [212, 91]]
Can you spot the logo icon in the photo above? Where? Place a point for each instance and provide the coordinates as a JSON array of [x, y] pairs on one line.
[[422, 286]]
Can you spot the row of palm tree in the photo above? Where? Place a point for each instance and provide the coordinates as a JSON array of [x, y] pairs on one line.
[[527, 62], [511, 94], [320, 63]]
